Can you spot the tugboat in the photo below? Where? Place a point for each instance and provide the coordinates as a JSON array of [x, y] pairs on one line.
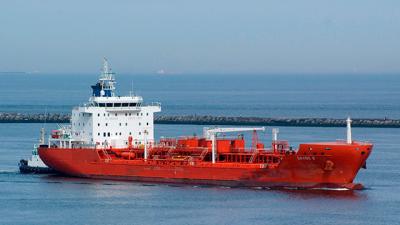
[[35, 163], [112, 137]]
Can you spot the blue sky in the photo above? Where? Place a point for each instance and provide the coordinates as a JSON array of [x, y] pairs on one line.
[[196, 37]]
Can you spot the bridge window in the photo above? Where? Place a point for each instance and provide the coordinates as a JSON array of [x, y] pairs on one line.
[[117, 104], [125, 104], [132, 104], [102, 105], [109, 104]]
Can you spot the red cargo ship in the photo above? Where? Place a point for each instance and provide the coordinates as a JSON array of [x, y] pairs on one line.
[[112, 138]]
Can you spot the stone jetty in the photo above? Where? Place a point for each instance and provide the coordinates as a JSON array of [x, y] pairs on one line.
[[216, 120]]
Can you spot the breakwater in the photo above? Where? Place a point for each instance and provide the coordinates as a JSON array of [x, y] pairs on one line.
[[215, 120]]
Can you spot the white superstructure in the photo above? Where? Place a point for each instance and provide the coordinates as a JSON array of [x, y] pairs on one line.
[[108, 120]]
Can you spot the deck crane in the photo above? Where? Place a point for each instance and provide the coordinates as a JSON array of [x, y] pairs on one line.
[[212, 134]]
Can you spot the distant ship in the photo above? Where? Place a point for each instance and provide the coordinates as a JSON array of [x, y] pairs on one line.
[[112, 137]]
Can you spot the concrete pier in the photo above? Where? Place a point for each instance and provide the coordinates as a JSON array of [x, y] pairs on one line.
[[216, 120]]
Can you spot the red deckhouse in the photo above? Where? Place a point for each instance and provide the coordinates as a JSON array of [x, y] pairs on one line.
[[112, 137]]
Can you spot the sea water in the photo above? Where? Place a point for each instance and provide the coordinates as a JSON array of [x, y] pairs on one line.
[[50, 199], [336, 96]]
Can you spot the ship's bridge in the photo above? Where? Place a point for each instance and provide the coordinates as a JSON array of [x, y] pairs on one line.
[[120, 101]]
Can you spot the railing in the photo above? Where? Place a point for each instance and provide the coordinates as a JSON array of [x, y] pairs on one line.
[[154, 104]]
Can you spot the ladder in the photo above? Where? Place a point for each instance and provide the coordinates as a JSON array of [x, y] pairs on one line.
[[203, 154], [253, 156], [106, 155]]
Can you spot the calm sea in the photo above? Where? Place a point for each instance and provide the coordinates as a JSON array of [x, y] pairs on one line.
[[49, 199], [368, 96]]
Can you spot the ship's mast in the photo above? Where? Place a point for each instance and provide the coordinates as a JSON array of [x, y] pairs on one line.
[[349, 139], [107, 80], [41, 139]]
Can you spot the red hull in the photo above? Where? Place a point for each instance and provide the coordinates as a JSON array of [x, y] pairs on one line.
[[319, 165]]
